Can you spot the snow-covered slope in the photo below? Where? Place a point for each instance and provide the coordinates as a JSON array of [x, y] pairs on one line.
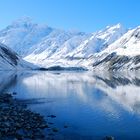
[[123, 54], [128, 44], [76, 49], [9, 60], [99, 41], [46, 46], [22, 34]]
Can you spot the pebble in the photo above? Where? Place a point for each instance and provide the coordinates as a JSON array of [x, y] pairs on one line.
[[54, 129], [65, 126], [52, 116], [18, 122]]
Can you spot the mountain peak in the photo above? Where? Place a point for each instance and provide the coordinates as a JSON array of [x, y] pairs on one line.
[[24, 21], [115, 27], [118, 25]]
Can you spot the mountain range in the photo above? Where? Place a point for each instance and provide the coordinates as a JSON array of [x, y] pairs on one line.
[[113, 48]]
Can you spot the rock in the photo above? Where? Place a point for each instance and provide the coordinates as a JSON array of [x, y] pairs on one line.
[[14, 93], [109, 138], [44, 126], [54, 129], [50, 134], [50, 123], [65, 126], [52, 116], [17, 121]]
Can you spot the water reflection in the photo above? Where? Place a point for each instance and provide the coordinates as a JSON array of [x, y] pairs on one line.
[[105, 103], [7, 79], [123, 89]]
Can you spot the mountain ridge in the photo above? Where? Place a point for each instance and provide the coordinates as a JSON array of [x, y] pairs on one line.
[[46, 46]]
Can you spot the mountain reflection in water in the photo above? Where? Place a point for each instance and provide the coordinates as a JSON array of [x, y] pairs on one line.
[[93, 105]]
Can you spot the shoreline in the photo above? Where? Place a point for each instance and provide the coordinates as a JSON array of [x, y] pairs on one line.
[[19, 123]]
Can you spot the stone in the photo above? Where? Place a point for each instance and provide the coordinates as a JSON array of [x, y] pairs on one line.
[[65, 126], [17, 121], [54, 129], [52, 116], [109, 138]]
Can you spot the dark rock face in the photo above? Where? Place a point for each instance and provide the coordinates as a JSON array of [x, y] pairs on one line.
[[75, 58], [136, 34], [8, 56], [12, 56], [117, 62], [106, 59], [10, 60], [136, 59]]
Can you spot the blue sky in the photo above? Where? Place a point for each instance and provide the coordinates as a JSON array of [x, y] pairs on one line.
[[83, 15]]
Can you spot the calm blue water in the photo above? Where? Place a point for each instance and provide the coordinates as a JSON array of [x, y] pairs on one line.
[[91, 105]]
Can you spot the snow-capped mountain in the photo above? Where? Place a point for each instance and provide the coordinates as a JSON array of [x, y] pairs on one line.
[[9, 60], [23, 34], [76, 49], [128, 44], [46, 46], [113, 48], [122, 54], [99, 41]]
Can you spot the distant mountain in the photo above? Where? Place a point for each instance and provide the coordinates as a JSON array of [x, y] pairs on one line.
[[46, 46], [9, 60]]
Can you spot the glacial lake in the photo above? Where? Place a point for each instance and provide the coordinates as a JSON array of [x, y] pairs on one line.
[[87, 105]]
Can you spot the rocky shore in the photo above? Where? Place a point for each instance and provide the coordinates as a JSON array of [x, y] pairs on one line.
[[17, 122]]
